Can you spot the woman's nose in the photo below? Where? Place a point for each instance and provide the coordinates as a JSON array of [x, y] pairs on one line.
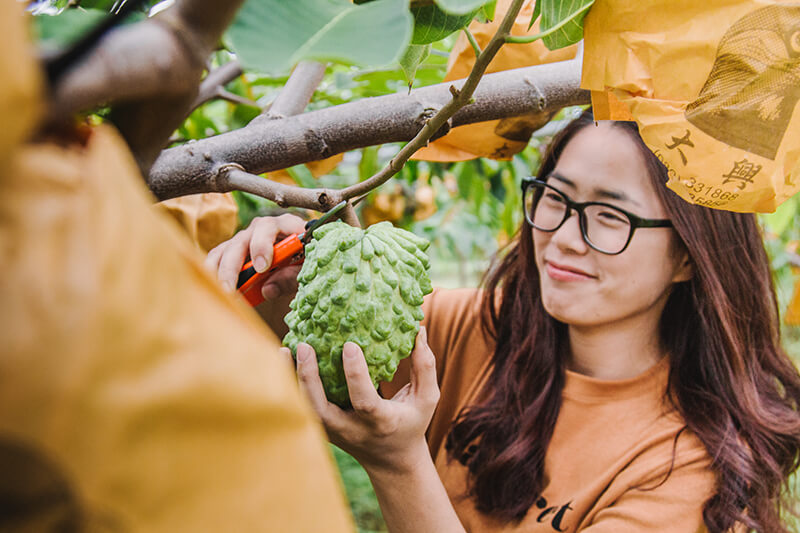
[[569, 236]]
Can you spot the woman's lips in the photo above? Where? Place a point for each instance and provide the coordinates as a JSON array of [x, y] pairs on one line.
[[564, 273]]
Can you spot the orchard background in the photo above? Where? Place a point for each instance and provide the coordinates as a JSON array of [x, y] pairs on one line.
[[468, 210]]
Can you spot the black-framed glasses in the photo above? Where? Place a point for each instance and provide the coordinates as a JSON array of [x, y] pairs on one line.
[[605, 227]]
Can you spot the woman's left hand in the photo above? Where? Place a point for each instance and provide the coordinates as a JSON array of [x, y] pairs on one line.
[[381, 434]]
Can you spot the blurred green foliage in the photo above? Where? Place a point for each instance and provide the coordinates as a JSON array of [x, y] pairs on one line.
[[363, 503], [782, 241]]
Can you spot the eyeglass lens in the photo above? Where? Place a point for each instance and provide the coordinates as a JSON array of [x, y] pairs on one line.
[[606, 228]]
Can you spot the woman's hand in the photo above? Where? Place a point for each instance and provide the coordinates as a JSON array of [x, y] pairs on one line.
[[383, 435], [257, 240]]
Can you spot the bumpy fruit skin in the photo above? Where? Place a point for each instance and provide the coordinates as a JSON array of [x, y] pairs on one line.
[[364, 286]]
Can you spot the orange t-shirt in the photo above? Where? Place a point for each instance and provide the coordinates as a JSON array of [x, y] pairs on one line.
[[613, 440]]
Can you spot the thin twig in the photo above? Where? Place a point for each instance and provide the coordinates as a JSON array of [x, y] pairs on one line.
[[461, 97], [473, 42], [219, 77], [233, 177], [235, 98]]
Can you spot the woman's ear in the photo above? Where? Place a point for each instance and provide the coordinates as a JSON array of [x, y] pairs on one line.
[[685, 270]]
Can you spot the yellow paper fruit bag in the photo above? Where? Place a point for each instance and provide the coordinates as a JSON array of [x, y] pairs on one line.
[[713, 85], [208, 219], [317, 168], [135, 395], [496, 139]]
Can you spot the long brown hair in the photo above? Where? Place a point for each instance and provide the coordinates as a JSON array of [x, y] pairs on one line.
[[721, 330]]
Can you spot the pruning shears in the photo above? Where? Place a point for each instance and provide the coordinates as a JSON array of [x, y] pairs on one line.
[[289, 251]]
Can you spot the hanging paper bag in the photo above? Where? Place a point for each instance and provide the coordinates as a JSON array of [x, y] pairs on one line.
[[713, 87]]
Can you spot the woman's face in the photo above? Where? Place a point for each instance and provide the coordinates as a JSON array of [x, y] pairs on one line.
[[581, 286]]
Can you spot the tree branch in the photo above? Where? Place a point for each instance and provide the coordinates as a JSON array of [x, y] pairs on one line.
[[471, 38], [217, 78], [150, 70], [232, 176], [235, 98], [292, 100], [348, 216], [299, 88], [461, 97], [269, 145], [148, 123], [111, 72]]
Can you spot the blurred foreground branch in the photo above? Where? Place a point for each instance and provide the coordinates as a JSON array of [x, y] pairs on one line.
[[149, 72]]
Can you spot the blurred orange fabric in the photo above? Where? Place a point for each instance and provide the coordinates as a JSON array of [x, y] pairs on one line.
[[135, 394], [21, 89]]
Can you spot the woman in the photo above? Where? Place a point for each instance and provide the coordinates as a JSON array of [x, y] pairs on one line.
[[621, 371]]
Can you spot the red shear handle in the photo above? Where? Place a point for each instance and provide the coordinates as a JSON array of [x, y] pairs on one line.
[[286, 252]]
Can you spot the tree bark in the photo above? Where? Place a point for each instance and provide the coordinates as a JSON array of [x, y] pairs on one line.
[[299, 88], [215, 80], [266, 145]]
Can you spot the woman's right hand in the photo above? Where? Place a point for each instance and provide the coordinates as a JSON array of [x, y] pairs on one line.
[[257, 240], [383, 435]]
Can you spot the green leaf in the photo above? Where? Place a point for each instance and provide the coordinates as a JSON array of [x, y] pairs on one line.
[[108, 5], [61, 30], [105, 5], [302, 176], [410, 60], [272, 35], [537, 10], [57, 31], [460, 7], [431, 24], [369, 165], [783, 216], [511, 202], [561, 21], [487, 11]]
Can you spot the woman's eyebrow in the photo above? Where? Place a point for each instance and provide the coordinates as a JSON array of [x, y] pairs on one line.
[[562, 179], [615, 195], [598, 191]]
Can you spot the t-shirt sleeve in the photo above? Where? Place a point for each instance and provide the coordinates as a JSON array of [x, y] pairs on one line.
[[674, 506]]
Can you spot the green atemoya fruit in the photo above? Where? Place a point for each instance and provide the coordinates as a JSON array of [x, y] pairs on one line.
[[364, 286]]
